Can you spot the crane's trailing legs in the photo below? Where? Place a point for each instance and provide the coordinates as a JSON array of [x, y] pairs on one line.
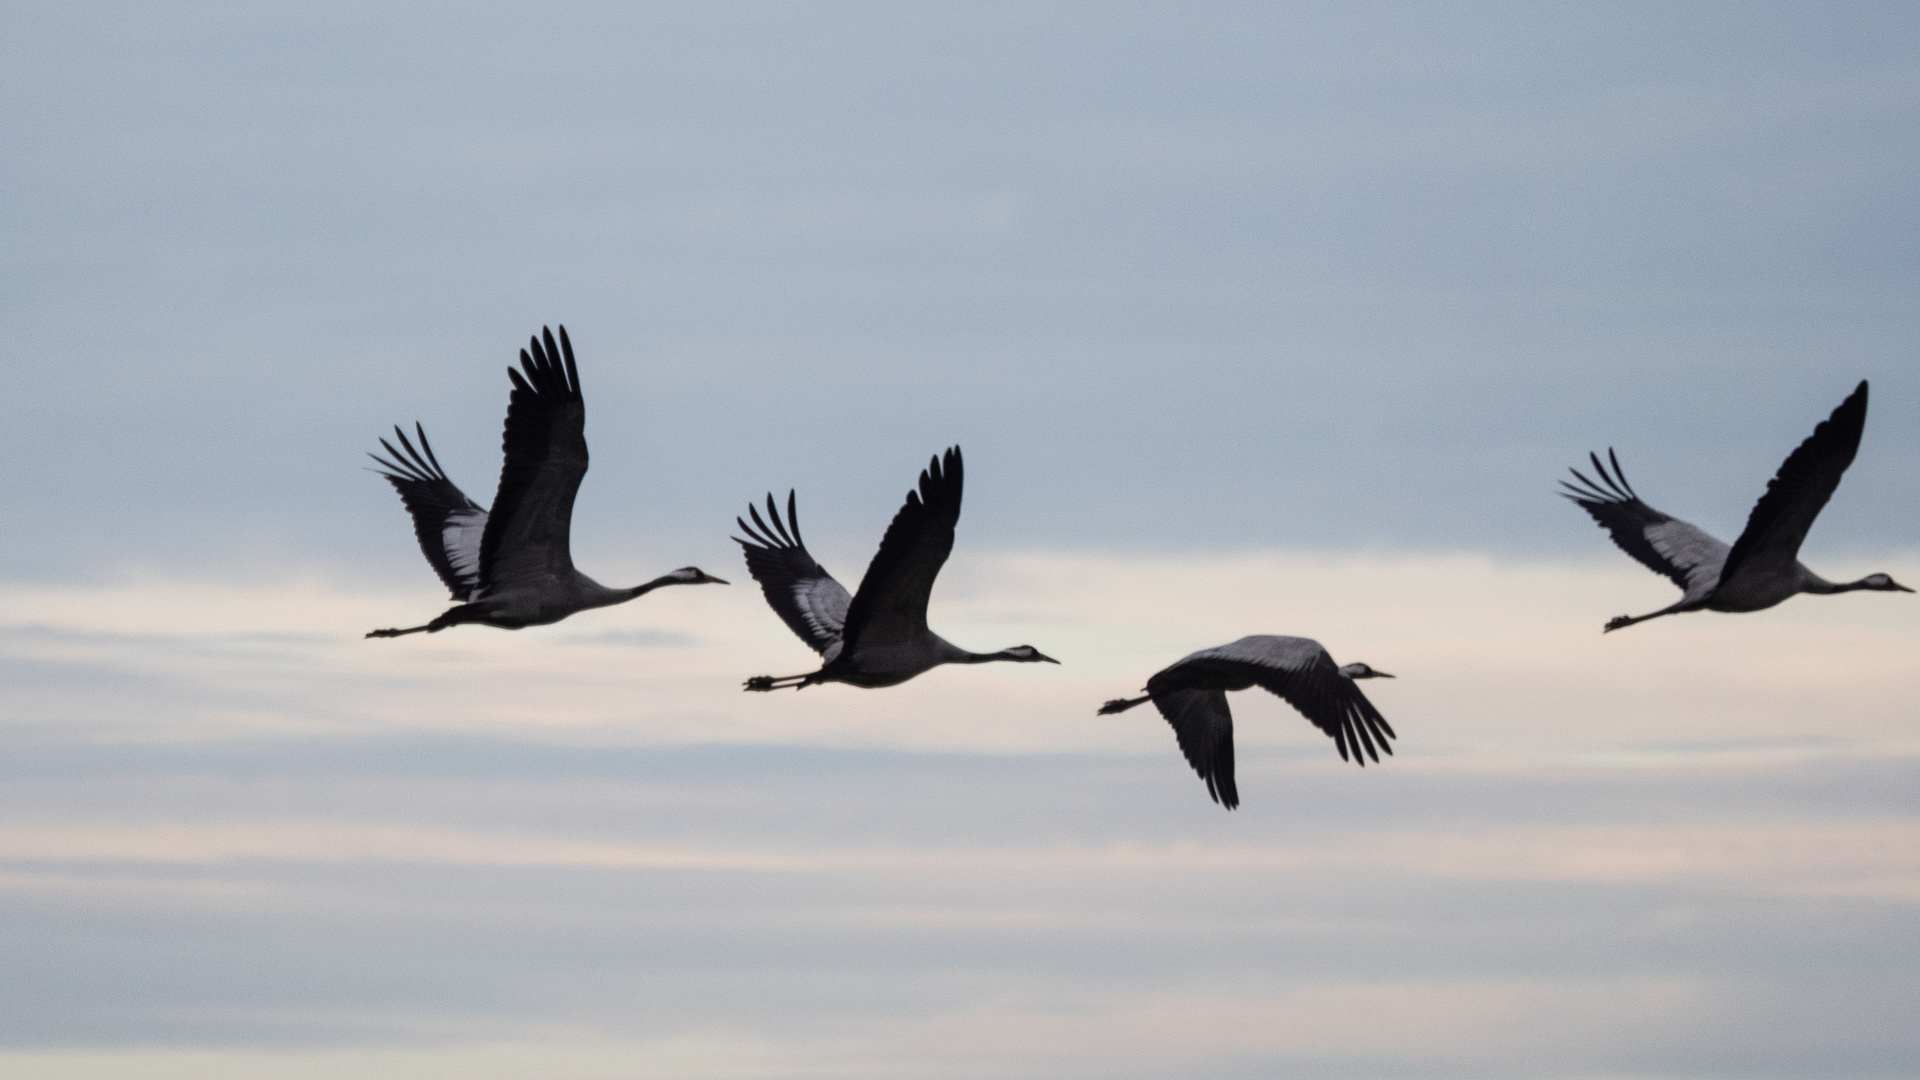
[[1120, 704], [1619, 621], [453, 616], [780, 682]]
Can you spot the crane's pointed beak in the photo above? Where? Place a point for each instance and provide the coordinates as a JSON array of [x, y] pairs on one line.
[[711, 580], [1897, 585], [1382, 675], [1045, 657]]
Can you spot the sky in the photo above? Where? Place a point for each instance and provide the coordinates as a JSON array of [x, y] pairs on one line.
[[1251, 318]]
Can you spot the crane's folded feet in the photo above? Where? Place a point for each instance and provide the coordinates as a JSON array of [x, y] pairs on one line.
[[389, 632], [760, 682], [1617, 622]]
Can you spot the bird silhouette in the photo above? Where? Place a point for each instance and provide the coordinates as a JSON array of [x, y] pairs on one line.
[[1192, 694], [878, 636], [1762, 567], [512, 566]]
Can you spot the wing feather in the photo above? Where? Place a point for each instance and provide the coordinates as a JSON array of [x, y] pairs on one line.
[[447, 523], [527, 538], [1685, 554], [891, 603], [800, 591], [1203, 725], [1770, 544], [1301, 673], [1335, 704]]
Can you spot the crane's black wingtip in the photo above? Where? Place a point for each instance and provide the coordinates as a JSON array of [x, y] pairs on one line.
[[1849, 416], [1855, 407]]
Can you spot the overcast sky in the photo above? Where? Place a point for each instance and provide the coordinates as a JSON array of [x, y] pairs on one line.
[[1276, 318], [1208, 275]]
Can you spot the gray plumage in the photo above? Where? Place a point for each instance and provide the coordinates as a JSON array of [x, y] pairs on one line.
[[1762, 567], [1192, 695], [512, 566], [877, 636]]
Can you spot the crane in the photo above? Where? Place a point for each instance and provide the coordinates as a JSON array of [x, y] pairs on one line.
[[1192, 694], [878, 636], [1762, 567], [511, 566]]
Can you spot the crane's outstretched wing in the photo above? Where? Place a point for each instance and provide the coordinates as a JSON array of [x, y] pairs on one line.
[[800, 591], [1204, 727], [1684, 553], [545, 445], [1301, 673], [891, 603], [447, 523], [1770, 544]]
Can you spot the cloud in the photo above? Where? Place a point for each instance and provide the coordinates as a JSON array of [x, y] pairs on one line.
[[1291, 303], [893, 913], [1496, 658], [1592, 855], [1863, 858]]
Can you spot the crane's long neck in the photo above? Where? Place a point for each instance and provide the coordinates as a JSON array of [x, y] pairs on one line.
[[1814, 583], [642, 590], [584, 592], [1019, 654], [965, 657], [950, 653]]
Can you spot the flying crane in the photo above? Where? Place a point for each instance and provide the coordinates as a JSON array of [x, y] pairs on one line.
[[512, 566], [1763, 566], [878, 636], [1192, 694]]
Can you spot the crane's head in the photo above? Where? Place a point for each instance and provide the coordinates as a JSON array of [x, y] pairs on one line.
[[1362, 671], [1024, 654], [1881, 583]]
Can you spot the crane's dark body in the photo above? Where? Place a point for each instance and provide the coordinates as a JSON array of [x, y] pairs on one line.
[[1192, 695], [878, 636], [512, 566], [1762, 567]]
